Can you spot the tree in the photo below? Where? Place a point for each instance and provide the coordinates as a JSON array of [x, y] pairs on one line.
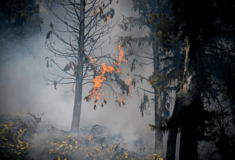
[[14, 14], [15, 17], [83, 19], [164, 64], [195, 32]]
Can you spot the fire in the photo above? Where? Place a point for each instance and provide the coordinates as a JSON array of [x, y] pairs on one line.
[[92, 60], [128, 82], [118, 70], [108, 18], [98, 81], [90, 137], [105, 69], [121, 100], [120, 58], [97, 85]]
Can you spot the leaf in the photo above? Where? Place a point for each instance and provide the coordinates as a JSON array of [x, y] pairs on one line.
[[61, 146], [51, 25], [48, 34], [55, 83], [47, 64]]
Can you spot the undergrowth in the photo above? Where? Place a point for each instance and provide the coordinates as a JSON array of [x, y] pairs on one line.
[[21, 138]]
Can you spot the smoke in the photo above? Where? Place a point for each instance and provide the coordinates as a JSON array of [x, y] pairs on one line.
[[23, 89]]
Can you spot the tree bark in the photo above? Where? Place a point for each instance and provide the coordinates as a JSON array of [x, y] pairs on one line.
[[172, 135], [184, 97], [188, 126], [157, 98], [79, 75], [158, 122]]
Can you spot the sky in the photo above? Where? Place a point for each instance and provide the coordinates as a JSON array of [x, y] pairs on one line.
[[23, 88]]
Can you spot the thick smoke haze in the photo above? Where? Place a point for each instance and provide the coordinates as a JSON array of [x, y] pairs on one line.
[[23, 88]]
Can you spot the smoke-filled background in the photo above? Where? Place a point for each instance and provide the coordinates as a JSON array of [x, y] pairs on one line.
[[23, 88]]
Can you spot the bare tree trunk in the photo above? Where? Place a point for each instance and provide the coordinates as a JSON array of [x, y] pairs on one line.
[[79, 75], [184, 97], [188, 139], [172, 135], [157, 98], [158, 122]]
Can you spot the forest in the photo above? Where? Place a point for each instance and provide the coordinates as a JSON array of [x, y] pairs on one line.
[[117, 80]]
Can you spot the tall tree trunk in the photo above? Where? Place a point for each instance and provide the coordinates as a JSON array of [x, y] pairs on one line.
[[188, 139], [157, 98], [172, 135], [184, 97], [79, 75]]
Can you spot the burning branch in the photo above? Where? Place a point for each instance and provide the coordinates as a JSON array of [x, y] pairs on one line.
[[98, 80], [108, 18], [90, 137]]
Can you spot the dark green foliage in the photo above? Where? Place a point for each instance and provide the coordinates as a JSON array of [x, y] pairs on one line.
[[17, 13], [196, 112], [181, 20], [208, 25]]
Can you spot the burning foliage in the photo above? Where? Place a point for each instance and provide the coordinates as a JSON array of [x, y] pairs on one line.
[[99, 79], [105, 16], [21, 138], [108, 18]]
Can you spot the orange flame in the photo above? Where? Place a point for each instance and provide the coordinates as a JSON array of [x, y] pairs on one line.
[[108, 18], [120, 58], [121, 100], [92, 60], [98, 81], [97, 85], [90, 137], [118, 70], [128, 82], [105, 69]]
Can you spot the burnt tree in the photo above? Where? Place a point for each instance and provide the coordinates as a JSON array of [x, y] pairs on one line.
[[87, 22]]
